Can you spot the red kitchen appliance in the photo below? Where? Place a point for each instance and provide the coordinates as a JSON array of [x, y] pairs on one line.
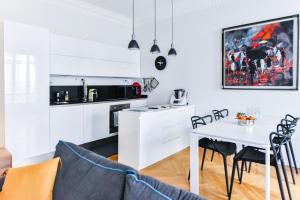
[[138, 88]]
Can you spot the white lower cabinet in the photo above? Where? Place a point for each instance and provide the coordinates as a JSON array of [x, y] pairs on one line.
[[83, 123], [96, 122], [66, 124]]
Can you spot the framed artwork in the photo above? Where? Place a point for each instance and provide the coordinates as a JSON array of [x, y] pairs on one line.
[[262, 55]]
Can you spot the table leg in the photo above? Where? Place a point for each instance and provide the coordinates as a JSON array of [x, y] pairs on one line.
[[268, 192], [194, 164]]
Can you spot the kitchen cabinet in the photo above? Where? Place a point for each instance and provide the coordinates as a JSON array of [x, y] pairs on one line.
[[96, 122], [66, 123], [71, 56], [147, 137], [83, 123], [24, 93]]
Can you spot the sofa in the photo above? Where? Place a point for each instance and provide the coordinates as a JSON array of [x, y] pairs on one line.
[[85, 175]]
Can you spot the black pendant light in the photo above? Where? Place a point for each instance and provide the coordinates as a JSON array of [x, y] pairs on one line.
[[133, 45], [155, 49], [172, 51]]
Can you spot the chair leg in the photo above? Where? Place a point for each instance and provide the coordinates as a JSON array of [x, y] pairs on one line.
[[242, 171], [279, 181], [290, 162], [249, 169], [293, 155], [246, 168], [212, 156], [203, 159], [285, 176], [226, 173], [238, 168], [235, 163]]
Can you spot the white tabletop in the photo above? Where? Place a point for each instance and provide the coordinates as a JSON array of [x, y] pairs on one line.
[[227, 129]]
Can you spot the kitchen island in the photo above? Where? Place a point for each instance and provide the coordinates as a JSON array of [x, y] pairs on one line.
[[150, 134]]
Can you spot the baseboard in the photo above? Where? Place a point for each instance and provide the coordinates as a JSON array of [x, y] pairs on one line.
[[103, 141]]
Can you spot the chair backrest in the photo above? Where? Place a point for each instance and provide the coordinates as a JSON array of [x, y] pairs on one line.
[[289, 125], [218, 114], [197, 120], [291, 118], [282, 129], [276, 146]]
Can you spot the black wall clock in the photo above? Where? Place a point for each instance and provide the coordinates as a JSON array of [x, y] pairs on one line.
[[160, 63]]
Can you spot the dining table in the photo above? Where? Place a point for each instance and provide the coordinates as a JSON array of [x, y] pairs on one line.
[[227, 129]]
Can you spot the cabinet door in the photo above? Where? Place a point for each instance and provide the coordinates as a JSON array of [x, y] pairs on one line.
[[72, 56], [65, 46], [96, 122], [66, 123], [26, 78]]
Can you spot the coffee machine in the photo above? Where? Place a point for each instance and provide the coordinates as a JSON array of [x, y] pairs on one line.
[[179, 98]]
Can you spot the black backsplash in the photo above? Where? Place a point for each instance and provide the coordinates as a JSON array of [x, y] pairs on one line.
[[109, 92]]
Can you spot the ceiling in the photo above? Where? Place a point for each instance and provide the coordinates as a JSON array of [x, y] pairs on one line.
[[144, 8]]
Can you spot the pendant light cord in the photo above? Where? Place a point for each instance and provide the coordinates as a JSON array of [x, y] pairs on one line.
[[133, 17], [172, 22], [154, 20]]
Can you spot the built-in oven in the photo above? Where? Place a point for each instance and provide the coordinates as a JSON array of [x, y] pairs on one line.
[[114, 116]]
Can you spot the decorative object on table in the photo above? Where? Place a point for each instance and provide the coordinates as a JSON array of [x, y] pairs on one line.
[[262, 55], [133, 45], [172, 51], [179, 98], [244, 119], [155, 49], [160, 63], [150, 84]]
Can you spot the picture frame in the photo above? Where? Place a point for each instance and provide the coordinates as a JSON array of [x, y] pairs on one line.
[[262, 55]]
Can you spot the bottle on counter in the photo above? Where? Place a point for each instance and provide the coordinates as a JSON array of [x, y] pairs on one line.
[[67, 96]]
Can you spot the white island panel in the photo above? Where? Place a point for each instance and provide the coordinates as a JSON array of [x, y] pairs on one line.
[[149, 136]]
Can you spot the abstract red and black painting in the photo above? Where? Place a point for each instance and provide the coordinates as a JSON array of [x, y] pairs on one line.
[[262, 55]]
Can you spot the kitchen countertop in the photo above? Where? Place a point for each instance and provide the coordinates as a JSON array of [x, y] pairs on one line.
[[157, 108], [52, 104]]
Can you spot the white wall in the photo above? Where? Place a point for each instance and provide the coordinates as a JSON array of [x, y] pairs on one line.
[[65, 20], [198, 66]]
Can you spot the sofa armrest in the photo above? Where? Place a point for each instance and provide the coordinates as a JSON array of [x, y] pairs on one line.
[[1, 182]]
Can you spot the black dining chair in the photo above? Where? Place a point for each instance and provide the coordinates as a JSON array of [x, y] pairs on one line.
[[291, 126], [290, 122], [288, 127], [203, 142], [224, 148], [218, 114], [256, 155]]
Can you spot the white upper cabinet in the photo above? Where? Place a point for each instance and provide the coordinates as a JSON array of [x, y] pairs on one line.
[[26, 90], [71, 56]]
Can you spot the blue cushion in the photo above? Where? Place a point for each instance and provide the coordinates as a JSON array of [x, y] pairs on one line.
[[87, 176], [146, 188]]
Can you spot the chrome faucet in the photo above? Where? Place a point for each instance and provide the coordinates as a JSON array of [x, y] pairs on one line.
[[84, 85]]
